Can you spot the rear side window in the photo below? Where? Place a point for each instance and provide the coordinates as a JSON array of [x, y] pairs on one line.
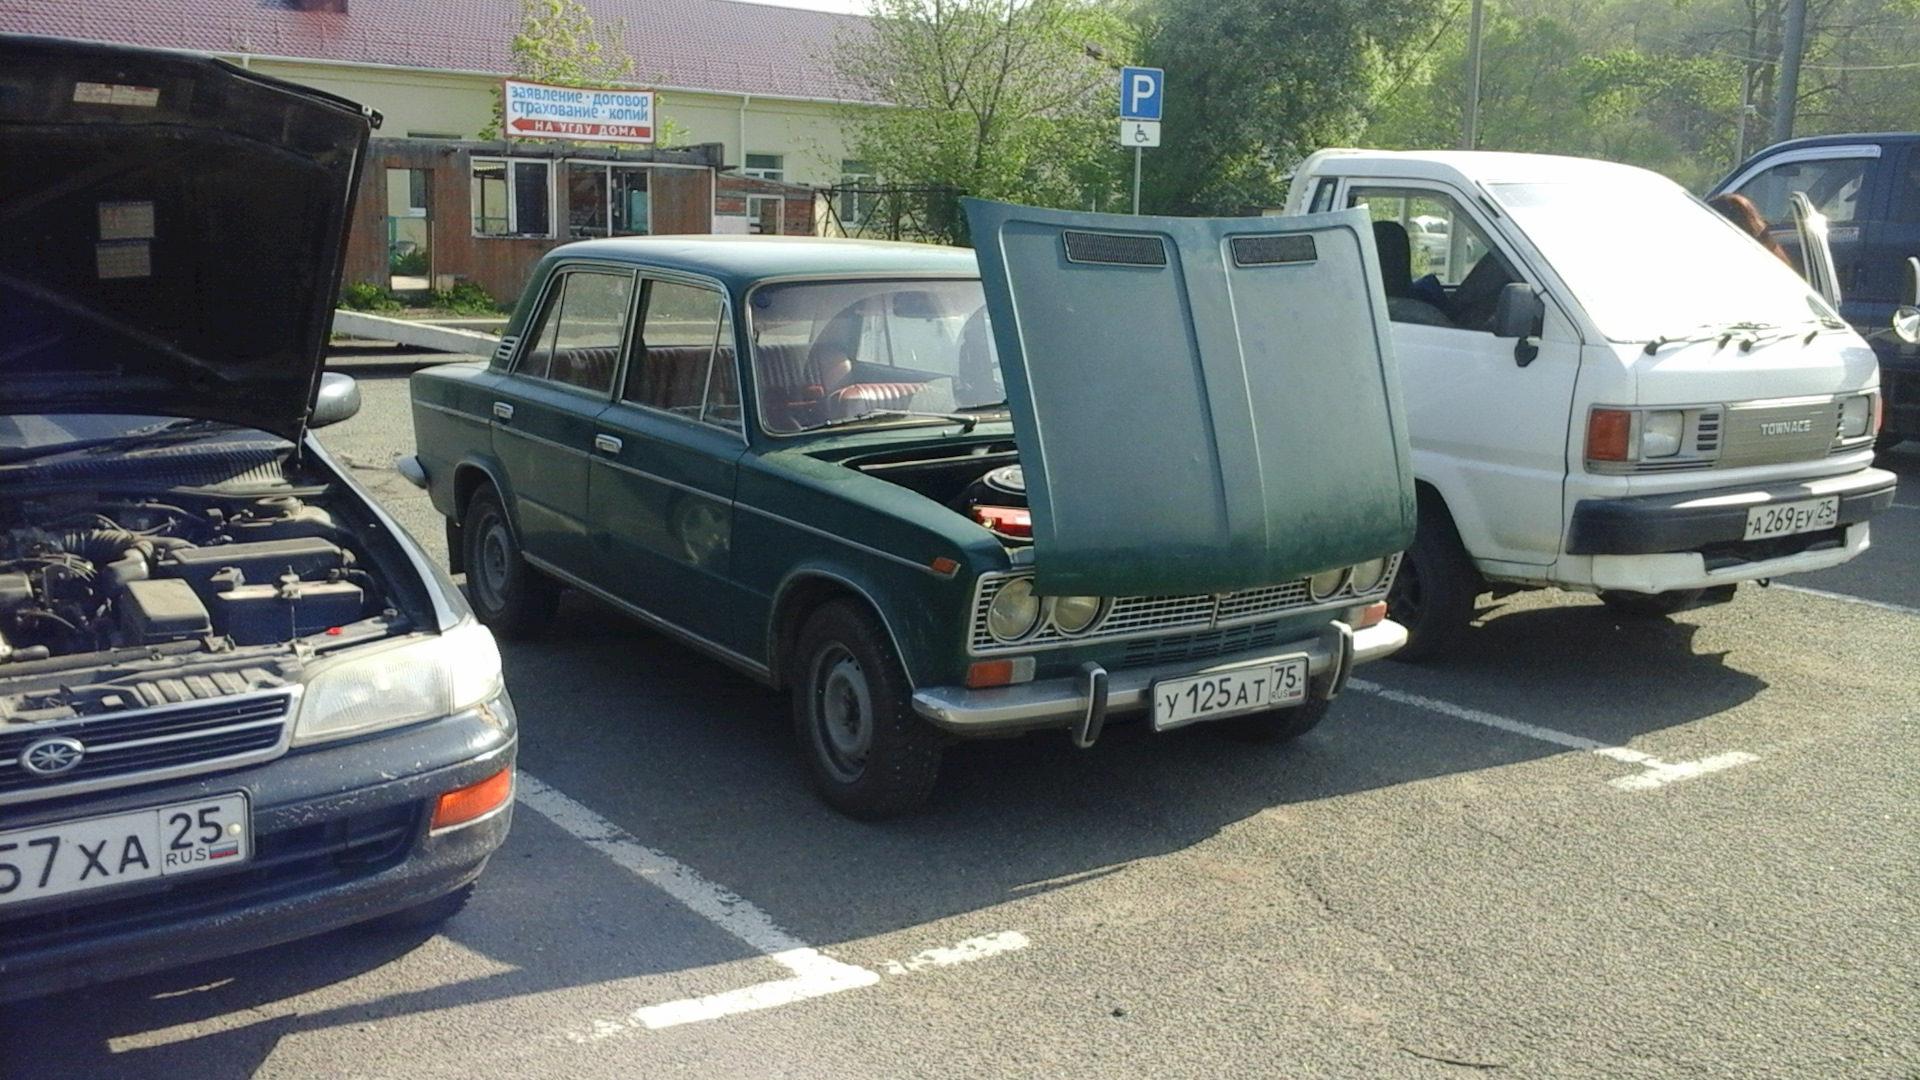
[[684, 360], [1906, 190], [1834, 185], [581, 330]]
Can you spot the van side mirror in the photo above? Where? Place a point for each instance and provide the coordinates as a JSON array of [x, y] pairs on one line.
[[1520, 313], [1906, 318], [339, 399]]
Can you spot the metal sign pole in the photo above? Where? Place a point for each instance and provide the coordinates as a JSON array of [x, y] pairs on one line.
[[1136, 181]]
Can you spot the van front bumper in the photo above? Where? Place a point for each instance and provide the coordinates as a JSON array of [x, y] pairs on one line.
[[1715, 521], [1082, 702]]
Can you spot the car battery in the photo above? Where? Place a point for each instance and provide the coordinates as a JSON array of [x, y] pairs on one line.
[[264, 614]]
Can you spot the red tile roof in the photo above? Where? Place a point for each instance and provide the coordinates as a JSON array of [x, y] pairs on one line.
[[692, 44]]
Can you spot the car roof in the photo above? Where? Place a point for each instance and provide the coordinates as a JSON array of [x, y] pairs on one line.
[[741, 261], [1468, 166]]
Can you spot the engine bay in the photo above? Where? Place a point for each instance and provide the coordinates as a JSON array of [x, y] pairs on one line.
[[129, 600]]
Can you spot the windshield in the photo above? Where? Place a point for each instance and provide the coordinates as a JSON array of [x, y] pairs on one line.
[[1647, 261], [825, 353]]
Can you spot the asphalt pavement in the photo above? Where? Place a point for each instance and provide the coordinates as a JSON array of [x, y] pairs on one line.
[[1590, 847]]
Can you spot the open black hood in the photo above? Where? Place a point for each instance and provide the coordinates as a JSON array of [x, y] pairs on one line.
[[171, 233]]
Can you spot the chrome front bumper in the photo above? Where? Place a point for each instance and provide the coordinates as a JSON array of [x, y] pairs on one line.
[[1082, 703]]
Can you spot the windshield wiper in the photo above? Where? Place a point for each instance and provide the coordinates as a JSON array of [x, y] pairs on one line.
[[966, 422], [1748, 334]]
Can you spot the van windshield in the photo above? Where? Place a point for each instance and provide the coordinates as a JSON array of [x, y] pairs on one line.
[[1648, 261]]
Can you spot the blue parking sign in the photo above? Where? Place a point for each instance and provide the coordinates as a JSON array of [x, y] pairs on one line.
[[1140, 93]]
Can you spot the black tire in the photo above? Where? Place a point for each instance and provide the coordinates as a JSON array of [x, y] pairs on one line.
[[1640, 605], [1434, 593], [1276, 725], [870, 755], [429, 915], [513, 599]]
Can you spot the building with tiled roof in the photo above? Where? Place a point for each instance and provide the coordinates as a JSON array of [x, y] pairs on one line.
[[750, 90]]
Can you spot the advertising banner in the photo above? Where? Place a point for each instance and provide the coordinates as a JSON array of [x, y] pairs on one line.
[[577, 113]]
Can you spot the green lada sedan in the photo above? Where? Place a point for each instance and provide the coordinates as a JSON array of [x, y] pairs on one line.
[[1099, 469]]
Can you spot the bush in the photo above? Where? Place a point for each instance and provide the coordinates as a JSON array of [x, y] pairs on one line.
[[363, 296], [408, 264], [465, 298]]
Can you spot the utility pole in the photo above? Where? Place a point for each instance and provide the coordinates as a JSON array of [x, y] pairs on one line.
[[1790, 50], [1471, 135]]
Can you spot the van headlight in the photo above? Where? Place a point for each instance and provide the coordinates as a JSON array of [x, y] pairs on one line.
[[1660, 433], [1856, 416], [1014, 611], [408, 681]]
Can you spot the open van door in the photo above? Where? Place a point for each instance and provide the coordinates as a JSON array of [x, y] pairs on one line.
[[1815, 252]]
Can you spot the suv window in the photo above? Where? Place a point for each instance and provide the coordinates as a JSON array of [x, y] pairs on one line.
[[1833, 184], [580, 332], [684, 362]]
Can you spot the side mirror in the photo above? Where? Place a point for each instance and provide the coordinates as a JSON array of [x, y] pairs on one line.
[[1906, 318], [339, 399], [1520, 313]]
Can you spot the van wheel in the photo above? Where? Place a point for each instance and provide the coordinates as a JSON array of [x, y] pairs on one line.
[[1433, 594], [513, 599], [870, 755], [1276, 725], [1640, 605]]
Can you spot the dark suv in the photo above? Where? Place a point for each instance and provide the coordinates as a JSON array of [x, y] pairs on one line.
[[1868, 186]]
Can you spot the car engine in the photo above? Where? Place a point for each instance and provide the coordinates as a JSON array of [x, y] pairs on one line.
[[123, 601]]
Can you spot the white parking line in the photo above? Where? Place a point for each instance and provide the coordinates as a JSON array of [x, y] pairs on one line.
[[1898, 609], [814, 973], [1654, 772]]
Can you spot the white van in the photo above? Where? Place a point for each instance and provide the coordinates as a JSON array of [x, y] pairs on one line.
[[1610, 388]]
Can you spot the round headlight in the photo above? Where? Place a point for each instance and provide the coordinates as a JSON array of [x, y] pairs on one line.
[[1014, 611], [1073, 614], [1367, 575], [1327, 582]]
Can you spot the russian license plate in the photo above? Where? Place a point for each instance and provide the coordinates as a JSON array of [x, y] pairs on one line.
[[1785, 519], [1248, 688], [71, 856]]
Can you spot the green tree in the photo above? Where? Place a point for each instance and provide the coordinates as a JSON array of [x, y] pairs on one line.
[[559, 43], [1252, 86], [1002, 99]]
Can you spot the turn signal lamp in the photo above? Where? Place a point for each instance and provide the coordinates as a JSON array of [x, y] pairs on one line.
[[989, 673], [475, 801], [1609, 435]]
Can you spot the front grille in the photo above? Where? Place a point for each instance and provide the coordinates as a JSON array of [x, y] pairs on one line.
[[290, 862], [1769, 433], [149, 744], [1203, 646], [1159, 616]]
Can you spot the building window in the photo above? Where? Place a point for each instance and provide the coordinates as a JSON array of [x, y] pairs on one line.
[[765, 167], [512, 197], [607, 200], [764, 213], [856, 206]]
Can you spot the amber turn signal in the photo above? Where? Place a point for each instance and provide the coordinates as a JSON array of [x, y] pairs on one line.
[[461, 805]]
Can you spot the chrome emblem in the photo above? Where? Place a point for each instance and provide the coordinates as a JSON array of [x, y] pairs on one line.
[[51, 757], [1786, 427]]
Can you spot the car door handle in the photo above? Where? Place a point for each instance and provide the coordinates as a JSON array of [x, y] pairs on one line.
[[606, 444], [502, 410]]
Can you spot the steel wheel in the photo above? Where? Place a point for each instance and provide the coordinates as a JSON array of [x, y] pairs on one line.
[[513, 599], [870, 754]]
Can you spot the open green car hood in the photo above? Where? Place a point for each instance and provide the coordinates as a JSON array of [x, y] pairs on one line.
[[1202, 405]]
